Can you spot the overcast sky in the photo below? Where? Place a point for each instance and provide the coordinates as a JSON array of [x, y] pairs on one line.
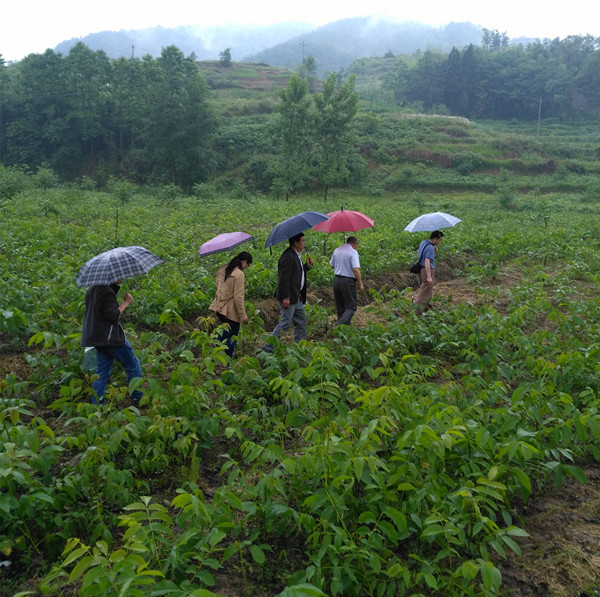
[[32, 26]]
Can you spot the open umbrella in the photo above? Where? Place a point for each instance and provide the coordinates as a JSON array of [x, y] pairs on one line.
[[114, 265], [345, 221], [294, 225], [224, 242], [432, 221]]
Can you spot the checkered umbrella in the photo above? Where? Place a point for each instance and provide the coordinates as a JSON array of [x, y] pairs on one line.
[[114, 265]]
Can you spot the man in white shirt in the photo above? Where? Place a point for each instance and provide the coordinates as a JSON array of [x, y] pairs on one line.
[[346, 269]]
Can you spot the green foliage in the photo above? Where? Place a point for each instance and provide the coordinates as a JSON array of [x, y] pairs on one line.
[[225, 57], [379, 460], [13, 180]]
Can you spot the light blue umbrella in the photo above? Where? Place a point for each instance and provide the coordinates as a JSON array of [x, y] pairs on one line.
[[294, 225], [432, 221]]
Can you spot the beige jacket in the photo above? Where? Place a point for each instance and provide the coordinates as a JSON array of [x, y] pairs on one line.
[[229, 298]]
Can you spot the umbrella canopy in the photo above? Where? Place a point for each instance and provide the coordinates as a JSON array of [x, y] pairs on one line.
[[224, 242], [345, 221], [432, 221], [294, 225], [114, 265]]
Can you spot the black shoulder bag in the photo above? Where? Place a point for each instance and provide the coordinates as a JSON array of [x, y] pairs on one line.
[[415, 268]]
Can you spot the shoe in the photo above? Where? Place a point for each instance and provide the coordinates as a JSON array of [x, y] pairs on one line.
[[266, 347]]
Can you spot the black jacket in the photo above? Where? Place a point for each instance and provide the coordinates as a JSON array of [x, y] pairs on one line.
[[101, 327], [289, 277]]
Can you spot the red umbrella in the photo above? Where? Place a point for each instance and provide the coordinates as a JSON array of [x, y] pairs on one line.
[[345, 221]]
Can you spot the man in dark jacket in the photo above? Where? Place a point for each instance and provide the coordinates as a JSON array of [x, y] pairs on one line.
[[102, 329], [291, 290]]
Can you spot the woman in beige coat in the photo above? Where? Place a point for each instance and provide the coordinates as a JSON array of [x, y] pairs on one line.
[[228, 304]]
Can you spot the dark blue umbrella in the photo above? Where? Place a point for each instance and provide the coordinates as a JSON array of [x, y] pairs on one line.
[[294, 225]]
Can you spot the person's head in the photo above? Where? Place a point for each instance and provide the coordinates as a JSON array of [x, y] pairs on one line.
[[436, 237], [245, 259], [298, 242], [352, 241], [241, 260]]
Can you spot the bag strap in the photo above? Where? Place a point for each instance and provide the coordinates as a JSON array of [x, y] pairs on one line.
[[422, 250]]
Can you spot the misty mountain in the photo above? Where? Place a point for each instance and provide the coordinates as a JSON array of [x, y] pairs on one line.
[[204, 42], [334, 45]]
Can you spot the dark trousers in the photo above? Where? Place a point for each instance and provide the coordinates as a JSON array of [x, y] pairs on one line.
[[344, 294], [228, 334]]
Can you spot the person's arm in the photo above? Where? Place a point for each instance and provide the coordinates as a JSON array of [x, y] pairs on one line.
[[127, 300], [428, 269], [109, 306], [285, 268], [356, 272], [238, 297]]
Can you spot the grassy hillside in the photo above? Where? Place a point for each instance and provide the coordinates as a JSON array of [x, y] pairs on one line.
[[404, 151]]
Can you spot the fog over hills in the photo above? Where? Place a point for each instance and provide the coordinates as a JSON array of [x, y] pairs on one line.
[[204, 42], [334, 45], [282, 44]]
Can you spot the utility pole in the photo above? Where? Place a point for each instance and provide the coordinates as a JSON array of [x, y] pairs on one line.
[[303, 44]]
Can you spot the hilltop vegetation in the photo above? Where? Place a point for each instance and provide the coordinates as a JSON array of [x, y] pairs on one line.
[[155, 121]]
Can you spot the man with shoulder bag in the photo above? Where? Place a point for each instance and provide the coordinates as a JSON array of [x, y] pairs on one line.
[[427, 250]]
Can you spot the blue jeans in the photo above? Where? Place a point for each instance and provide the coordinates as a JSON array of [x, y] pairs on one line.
[[228, 336], [293, 314], [131, 364]]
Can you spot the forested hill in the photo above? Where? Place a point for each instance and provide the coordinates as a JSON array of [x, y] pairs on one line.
[[334, 46]]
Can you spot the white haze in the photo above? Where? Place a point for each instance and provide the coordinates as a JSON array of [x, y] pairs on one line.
[[32, 26]]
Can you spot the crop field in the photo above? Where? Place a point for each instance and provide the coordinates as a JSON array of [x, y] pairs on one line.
[[397, 456]]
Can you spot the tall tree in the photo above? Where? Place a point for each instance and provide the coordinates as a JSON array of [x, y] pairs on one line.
[[38, 130], [178, 125], [336, 108], [3, 97], [225, 57], [308, 70], [426, 80], [292, 133], [130, 87], [89, 76]]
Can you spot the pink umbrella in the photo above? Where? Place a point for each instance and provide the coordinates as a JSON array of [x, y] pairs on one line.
[[223, 242], [345, 221]]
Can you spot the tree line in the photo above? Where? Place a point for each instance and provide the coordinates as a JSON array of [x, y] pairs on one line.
[[151, 120], [498, 81]]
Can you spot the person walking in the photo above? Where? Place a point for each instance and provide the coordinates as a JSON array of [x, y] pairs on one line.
[[102, 329], [346, 268], [291, 290], [228, 304], [427, 250]]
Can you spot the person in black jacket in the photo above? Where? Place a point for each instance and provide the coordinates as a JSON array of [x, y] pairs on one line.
[[102, 329], [291, 290]]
